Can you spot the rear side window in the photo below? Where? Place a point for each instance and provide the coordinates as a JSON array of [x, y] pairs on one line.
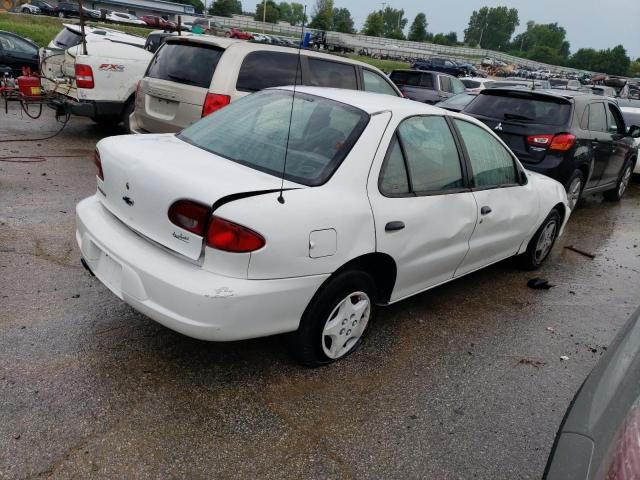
[[393, 177], [185, 63], [522, 107], [426, 80], [597, 117], [262, 70], [491, 163], [406, 78], [373, 82], [445, 84], [616, 122], [323, 73]]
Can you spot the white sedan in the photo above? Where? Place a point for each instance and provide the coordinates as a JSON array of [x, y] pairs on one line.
[[120, 17], [382, 198]]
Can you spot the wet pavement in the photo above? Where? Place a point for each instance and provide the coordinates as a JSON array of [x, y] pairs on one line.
[[464, 381]]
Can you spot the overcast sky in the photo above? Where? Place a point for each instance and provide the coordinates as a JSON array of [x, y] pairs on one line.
[[589, 23]]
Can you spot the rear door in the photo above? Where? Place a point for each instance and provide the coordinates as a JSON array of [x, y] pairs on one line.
[[424, 212], [601, 142], [505, 208], [175, 87], [619, 147]]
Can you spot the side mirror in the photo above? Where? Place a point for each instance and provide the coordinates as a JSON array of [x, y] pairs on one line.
[[634, 131]]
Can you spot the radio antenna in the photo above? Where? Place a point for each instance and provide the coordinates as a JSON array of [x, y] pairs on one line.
[[293, 100]]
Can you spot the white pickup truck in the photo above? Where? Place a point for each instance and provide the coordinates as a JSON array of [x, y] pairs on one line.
[[100, 84]]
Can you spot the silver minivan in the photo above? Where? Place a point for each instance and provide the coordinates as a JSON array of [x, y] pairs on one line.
[[191, 77]]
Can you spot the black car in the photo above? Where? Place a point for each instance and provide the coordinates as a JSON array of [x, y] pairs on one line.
[[17, 52], [426, 87], [457, 102], [579, 139], [69, 9], [443, 65], [598, 437], [45, 8]]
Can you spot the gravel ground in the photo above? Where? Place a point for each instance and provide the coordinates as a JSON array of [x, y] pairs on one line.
[[464, 381]]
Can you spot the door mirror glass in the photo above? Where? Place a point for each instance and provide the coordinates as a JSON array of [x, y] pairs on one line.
[[634, 131]]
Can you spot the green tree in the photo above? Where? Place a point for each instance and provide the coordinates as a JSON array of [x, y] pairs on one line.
[[342, 21], [634, 68], [285, 11], [374, 24], [225, 8], [394, 23], [297, 14], [322, 15], [613, 61], [450, 38], [542, 35], [491, 28], [545, 54], [418, 29], [272, 12]]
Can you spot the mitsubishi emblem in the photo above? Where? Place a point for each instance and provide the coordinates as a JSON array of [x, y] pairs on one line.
[[498, 127]]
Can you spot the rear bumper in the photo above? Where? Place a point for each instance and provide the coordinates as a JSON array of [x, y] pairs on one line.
[[552, 166], [181, 295], [86, 108], [134, 126]]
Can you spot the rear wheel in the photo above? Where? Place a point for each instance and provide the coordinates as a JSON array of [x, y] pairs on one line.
[[335, 321], [542, 242], [574, 187], [616, 194]]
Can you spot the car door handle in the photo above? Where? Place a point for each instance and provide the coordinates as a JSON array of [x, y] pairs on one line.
[[485, 210], [394, 226]]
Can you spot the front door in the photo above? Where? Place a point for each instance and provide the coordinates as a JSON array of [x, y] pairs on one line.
[[601, 142], [424, 213], [618, 153], [505, 207]]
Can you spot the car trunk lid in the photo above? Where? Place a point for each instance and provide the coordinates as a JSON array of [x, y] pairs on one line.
[[144, 176]]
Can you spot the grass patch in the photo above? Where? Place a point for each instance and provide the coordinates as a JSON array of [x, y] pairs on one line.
[[42, 29], [384, 65]]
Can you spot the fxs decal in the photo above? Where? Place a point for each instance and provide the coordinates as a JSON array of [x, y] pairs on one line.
[[111, 67]]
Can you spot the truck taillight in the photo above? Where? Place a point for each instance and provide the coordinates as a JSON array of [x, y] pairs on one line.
[[213, 102], [228, 236], [84, 76], [98, 163], [189, 215]]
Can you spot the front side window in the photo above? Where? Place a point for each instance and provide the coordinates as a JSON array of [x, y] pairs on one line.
[[253, 131], [323, 73], [492, 165], [423, 158], [262, 70], [373, 82]]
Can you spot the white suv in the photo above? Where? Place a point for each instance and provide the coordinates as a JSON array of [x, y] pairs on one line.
[[192, 77]]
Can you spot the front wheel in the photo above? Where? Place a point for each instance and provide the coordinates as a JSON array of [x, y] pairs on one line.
[[542, 242], [616, 194], [336, 320]]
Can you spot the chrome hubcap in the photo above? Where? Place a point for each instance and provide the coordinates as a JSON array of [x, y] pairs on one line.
[[545, 242], [573, 193], [624, 181], [346, 324]]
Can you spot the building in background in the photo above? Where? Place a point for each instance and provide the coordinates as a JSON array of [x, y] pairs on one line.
[[161, 8]]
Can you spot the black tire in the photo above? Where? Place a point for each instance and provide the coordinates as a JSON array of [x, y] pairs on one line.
[[533, 258], [616, 194], [308, 343], [576, 180], [126, 113]]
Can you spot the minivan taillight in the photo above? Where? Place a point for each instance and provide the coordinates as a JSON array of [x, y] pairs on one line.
[[231, 237], [190, 216], [84, 76], [561, 142], [213, 102], [98, 163]]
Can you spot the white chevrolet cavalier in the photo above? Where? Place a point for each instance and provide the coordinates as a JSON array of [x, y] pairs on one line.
[[382, 198]]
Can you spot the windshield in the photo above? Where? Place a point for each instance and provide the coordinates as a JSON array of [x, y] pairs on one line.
[[253, 131], [522, 107], [67, 38]]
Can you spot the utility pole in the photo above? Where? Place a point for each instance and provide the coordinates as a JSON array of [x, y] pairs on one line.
[[481, 34], [264, 14], [84, 38]]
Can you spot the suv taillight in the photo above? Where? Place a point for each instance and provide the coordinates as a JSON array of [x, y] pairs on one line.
[[84, 76], [189, 215], [561, 142], [213, 102], [231, 237], [98, 163], [138, 101]]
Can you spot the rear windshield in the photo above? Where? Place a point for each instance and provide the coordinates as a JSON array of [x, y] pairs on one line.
[[253, 131], [186, 63], [522, 107], [67, 39], [470, 83]]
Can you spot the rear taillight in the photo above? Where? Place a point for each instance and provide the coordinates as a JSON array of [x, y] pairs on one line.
[[190, 216], [84, 76], [213, 102], [561, 142], [231, 237], [98, 163]]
